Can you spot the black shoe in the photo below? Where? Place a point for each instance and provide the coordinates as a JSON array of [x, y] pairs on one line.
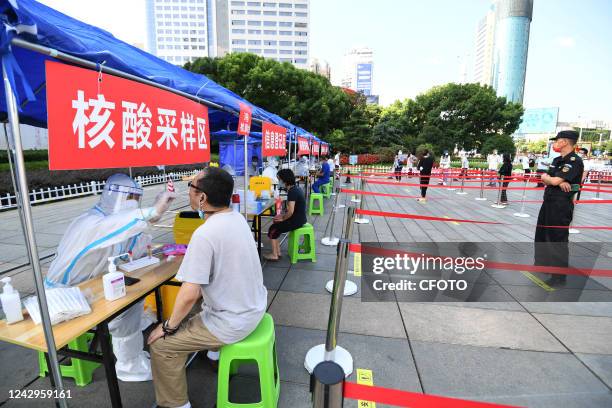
[[556, 280]]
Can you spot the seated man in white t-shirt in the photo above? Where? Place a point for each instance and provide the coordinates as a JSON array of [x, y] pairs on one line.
[[221, 266]]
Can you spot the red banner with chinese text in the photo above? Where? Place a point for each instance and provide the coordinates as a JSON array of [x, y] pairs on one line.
[[324, 149], [303, 147], [119, 123], [244, 122], [315, 148], [274, 140]]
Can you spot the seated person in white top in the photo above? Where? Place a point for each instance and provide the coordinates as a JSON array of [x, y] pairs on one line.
[[222, 267]]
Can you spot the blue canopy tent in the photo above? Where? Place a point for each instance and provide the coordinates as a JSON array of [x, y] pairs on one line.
[[231, 150], [33, 33]]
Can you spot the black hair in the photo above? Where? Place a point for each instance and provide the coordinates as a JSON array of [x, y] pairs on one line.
[[218, 185], [584, 150], [287, 176], [507, 158]]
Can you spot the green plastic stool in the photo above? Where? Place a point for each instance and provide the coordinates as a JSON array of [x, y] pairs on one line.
[[318, 197], [259, 346], [305, 251], [80, 370], [326, 189]]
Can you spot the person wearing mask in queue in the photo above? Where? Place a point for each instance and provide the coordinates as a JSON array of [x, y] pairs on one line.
[[397, 168], [322, 176], [525, 164], [445, 165], [505, 173], [294, 216], [493, 160], [542, 164], [425, 165]]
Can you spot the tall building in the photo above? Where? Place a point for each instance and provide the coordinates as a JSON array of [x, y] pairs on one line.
[[177, 30], [320, 67], [501, 46], [483, 50], [183, 30], [512, 23], [358, 70]]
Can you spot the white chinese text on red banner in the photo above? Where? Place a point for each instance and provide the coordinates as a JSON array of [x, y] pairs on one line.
[[315, 148], [324, 149], [119, 123], [244, 123], [274, 140], [303, 147]]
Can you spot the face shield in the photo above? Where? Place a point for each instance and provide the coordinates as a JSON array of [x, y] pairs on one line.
[[120, 193]]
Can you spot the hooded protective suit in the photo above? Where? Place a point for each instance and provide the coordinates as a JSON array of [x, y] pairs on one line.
[[114, 226]]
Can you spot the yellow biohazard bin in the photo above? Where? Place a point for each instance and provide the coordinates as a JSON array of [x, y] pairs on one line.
[[185, 223]]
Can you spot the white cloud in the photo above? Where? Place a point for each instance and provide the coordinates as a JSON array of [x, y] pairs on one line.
[[566, 42]]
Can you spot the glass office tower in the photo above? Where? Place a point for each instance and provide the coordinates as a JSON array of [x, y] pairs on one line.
[[513, 19]]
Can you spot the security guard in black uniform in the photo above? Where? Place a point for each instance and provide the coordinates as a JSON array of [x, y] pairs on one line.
[[562, 181]]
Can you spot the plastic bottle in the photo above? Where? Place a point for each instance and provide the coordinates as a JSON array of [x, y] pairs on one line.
[[113, 282], [11, 304]]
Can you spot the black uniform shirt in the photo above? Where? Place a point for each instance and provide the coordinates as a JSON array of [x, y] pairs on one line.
[[570, 169]]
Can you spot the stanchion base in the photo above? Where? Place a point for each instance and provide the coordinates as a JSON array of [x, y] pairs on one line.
[[574, 231], [341, 206], [362, 221], [350, 287], [461, 193], [522, 215], [330, 241], [498, 206], [480, 199], [355, 200], [341, 357]]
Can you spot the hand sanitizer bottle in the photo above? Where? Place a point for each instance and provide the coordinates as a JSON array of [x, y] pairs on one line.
[[11, 304], [113, 282]]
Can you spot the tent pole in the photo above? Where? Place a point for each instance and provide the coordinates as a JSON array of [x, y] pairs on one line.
[[21, 178], [10, 152], [246, 179]]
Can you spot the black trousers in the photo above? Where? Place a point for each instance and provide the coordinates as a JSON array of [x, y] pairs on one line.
[[551, 244], [424, 180], [504, 195], [398, 173]]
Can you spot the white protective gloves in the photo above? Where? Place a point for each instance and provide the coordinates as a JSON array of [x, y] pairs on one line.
[[162, 204]]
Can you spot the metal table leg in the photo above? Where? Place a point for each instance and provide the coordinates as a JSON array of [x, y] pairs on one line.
[[109, 365], [48, 360], [259, 235], [158, 304]]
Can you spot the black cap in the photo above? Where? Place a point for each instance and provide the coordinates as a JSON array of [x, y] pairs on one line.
[[566, 134]]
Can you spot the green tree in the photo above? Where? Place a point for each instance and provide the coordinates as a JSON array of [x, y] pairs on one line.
[[462, 114], [501, 143], [302, 97]]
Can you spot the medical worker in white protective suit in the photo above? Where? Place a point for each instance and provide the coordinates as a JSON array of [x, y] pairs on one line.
[[114, 226]]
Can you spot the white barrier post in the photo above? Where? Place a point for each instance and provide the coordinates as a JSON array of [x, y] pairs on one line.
[[498, 204], [482, 178], [330, 351], [522, 213]]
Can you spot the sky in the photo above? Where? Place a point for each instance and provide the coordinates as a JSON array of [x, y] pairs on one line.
[[418, 44]]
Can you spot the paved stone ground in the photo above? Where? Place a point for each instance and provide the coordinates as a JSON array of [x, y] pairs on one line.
[[528, 354]]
